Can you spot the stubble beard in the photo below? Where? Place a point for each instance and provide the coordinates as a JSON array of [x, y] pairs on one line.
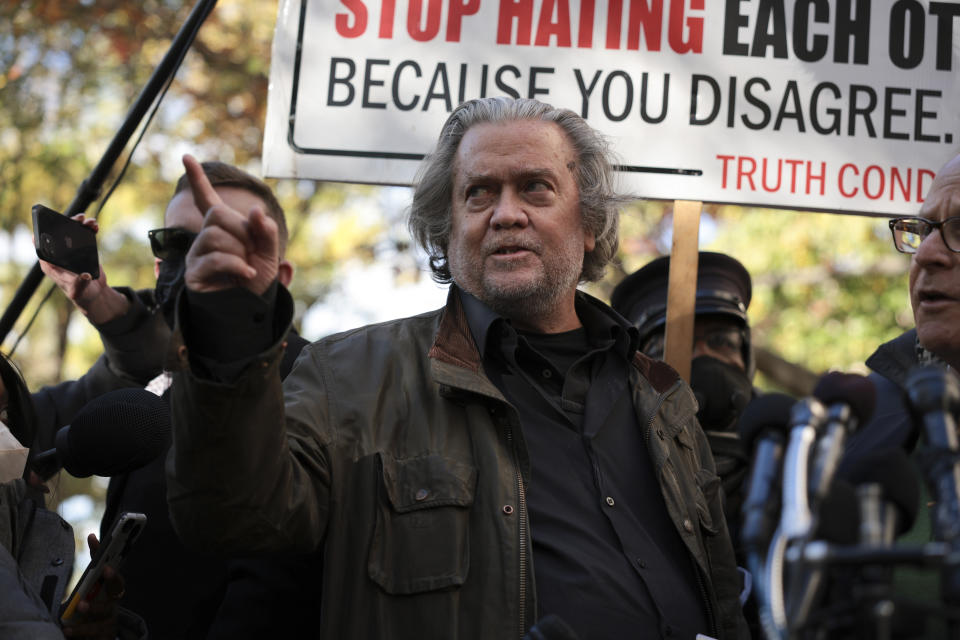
[[530, 298]]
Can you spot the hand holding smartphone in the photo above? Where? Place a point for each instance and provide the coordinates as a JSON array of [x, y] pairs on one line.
[[111, 553], [65, 242]]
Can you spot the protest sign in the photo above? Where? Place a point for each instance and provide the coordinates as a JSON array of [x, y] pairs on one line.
[[835, 105]]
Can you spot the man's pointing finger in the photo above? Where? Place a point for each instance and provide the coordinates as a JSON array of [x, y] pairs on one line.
[[204, 195]]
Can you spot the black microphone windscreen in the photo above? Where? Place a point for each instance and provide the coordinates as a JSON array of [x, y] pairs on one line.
[[839, 516], [115, 433], [850, 388], [897, 476], [770, 411]]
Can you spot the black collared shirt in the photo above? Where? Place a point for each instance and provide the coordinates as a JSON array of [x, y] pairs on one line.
[[607, 558]]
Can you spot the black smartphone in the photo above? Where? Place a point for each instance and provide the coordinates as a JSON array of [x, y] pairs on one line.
[[111, 553], [65, 242]]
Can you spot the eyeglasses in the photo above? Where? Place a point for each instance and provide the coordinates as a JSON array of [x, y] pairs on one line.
[[170, 243], [908, 233]]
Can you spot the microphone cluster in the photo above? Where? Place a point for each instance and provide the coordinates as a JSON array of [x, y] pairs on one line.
[[819, 537]]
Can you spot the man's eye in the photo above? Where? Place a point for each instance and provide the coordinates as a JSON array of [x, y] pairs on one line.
[[722, 342], [477, 191], [537, 185]]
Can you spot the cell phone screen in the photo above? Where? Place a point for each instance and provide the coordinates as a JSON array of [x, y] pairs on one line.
[[65, 242]]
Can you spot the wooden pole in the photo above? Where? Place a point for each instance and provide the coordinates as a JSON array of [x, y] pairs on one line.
[[682, 286]]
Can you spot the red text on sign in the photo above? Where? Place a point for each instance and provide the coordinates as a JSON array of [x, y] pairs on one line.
[[555, 24], [424, 18], [875, 182], [774, 175]]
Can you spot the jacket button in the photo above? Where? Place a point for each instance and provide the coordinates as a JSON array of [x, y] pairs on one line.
[[609, 501], [688, 525], [421, 495], [56, 562], [508, 509]]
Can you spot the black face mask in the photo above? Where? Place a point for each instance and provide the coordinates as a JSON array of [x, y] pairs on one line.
[[722, 391], [169, 284]]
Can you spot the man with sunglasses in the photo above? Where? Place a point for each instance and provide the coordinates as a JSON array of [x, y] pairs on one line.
[[135, 326], [179, 593]]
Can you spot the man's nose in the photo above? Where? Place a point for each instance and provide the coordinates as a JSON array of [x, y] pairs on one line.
[[509, 211], [933, 250]]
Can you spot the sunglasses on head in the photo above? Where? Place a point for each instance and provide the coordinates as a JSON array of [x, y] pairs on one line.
[[170, 243]]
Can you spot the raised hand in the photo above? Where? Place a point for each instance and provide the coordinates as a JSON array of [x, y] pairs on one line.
[[234, 248]]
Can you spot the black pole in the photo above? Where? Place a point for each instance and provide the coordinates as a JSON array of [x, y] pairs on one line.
[[89, 189]]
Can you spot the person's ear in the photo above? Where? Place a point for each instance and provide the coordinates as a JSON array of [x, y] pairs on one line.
[[285, 273], [589, 241]]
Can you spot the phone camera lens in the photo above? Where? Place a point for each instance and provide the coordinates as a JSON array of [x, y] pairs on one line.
[[46, 241]]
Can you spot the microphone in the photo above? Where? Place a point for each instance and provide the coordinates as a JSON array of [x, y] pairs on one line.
[[934, 395], [850, 399], [883, 505], [888, 492], [839, 521], [117, 432], [764, 421], [806, 420], [839, 524]]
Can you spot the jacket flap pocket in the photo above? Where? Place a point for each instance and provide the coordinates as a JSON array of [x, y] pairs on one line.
[[427, 482]]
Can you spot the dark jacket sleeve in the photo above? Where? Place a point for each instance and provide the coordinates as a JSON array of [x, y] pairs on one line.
[[135, 344], [134, 347], [244, 474]]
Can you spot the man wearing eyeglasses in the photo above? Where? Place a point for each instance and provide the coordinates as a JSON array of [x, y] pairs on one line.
[[932, 239], [177, 592]]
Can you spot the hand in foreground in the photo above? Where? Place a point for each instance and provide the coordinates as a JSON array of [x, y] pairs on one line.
[[97, 620], [234, 248], [94, 298]]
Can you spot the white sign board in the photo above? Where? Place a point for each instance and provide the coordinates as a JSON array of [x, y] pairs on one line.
[[836, 105]]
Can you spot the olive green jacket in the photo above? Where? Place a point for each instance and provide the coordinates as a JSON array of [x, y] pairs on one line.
[[406, 467]]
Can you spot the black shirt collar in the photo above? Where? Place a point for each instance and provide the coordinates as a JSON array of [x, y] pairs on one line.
[[604, 326]]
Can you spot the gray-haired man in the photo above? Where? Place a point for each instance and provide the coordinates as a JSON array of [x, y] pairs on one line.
[[468, 471]]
